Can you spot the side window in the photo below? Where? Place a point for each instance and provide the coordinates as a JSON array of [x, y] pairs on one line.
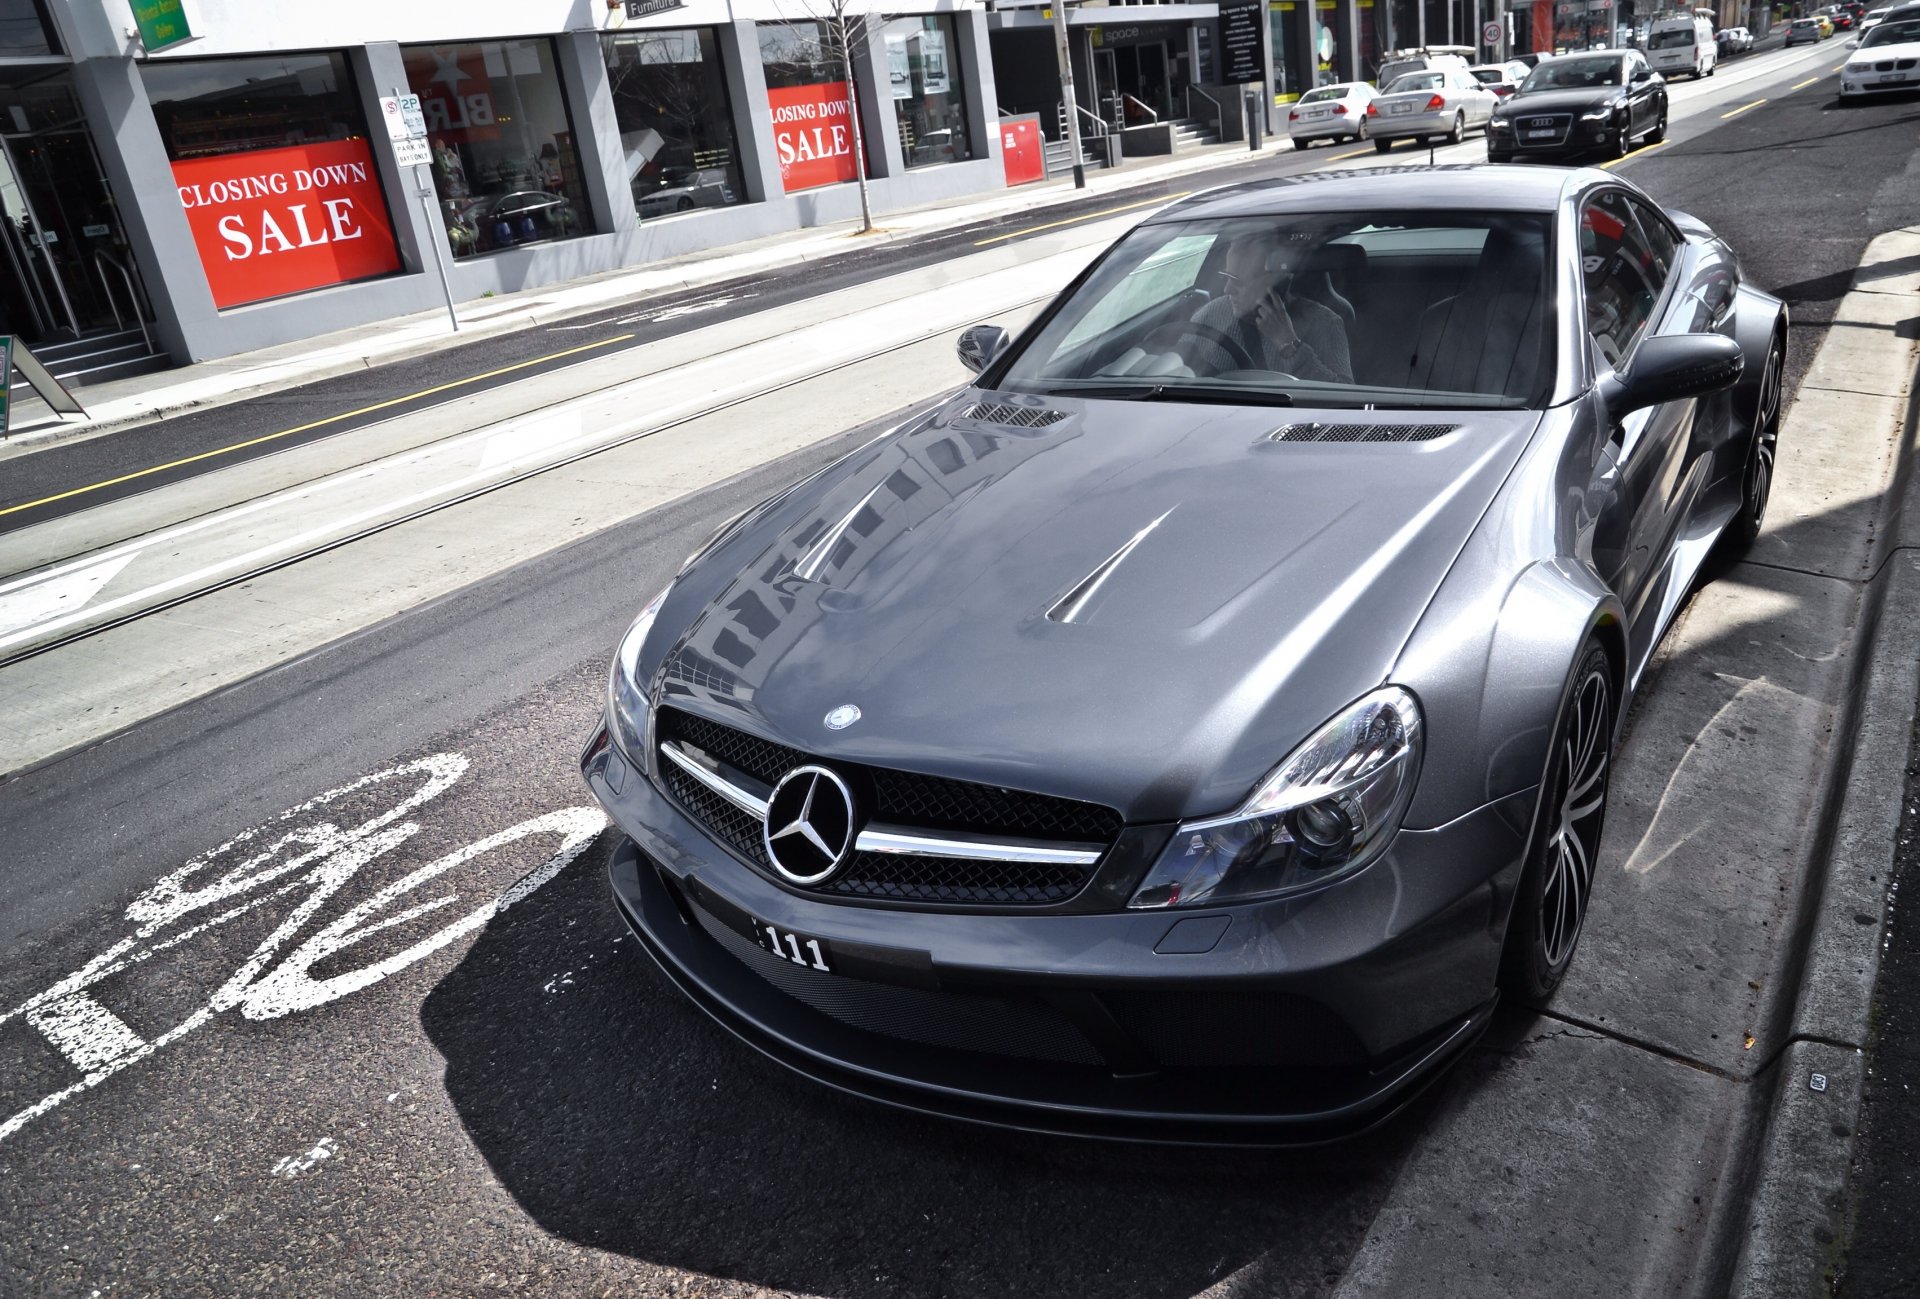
[[1624, 271]]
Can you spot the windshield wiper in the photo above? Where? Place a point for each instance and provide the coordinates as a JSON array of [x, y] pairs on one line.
[[1200, 392]]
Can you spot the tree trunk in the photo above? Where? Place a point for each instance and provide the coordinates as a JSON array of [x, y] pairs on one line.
[[843, 30]]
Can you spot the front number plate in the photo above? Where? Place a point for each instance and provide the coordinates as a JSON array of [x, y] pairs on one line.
[[789, 946], [1547, 134]]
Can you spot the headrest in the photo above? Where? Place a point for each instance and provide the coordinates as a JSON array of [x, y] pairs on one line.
[[1337, 259]]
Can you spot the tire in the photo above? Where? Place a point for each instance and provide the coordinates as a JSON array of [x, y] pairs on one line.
[[1550, 907], [1498, 157], [1617, 147], [1382, 146], [1301, 145], [1756, 476], [1713, 67], [1658, 134], [684, 205], [1360, 135]]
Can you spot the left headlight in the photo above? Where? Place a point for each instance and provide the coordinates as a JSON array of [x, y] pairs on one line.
[[626, 693], [1328, 810]]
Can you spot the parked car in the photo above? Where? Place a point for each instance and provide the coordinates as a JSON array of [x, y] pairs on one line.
[[1732, 41], [1842, 20], [1501, 78], [1804, 31], [1363, 646], [1330, 113], [1445, 102], [1872, 20], [1682, 47], [1885, 59], [1426, 58], [1577, 104]]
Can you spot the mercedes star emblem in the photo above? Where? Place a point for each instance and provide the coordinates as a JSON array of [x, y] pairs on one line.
[[809, 829], [842, 717]]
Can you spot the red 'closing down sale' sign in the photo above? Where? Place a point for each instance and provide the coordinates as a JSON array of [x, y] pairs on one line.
[[812, 134], [277, 221]]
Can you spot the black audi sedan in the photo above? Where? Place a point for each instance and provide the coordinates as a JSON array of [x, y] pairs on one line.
[[1191, 728], [1581, 104]]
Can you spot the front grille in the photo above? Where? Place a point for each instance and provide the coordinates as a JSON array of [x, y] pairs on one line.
[[906, 799], [1000, 412], [957, 1021], [1558, 123], [1360, 432]]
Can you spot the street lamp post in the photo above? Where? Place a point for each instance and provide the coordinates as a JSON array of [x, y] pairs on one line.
[[1066, 92]]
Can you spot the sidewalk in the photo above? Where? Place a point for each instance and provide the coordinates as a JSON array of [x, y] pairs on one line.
[[125, 403]]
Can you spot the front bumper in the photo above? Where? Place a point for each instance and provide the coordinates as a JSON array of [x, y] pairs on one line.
[[1878, 83], [1285, 1023]]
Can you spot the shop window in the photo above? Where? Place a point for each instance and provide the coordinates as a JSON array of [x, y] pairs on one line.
[[504, 161], [275, 171], [928, 105], [676, 122], [807, 91], [24, 29]]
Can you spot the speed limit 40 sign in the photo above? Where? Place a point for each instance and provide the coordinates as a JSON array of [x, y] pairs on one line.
[[1491, 34]]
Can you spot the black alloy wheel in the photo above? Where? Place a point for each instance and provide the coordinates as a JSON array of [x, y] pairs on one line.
[[1756, 479], [1658, 134], [1557, 884], [1459, 131], [1617, 146]]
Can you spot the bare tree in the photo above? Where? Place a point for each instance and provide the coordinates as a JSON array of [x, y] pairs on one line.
[[830, 33]]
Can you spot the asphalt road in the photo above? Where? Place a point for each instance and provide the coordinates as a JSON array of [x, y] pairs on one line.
[[273, 1094]]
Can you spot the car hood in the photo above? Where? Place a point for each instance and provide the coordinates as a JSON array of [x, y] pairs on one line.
[[1877, 53], [1145, 605], [1558, 101]]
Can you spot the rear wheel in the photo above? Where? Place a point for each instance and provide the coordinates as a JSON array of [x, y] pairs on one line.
[[1361, 134], [1557, 884], [1300, 144], [1459, 131], [1756, 479], [1381, 146]]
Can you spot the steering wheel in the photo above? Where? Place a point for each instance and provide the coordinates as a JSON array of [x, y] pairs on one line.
[[1184, 330]]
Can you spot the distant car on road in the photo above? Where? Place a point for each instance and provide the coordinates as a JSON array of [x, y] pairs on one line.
[[1501, 78], [1872, 19], [1887, 59], [1365, 624], [1578, 104], [1805, 31], [1682, 47], [1330, 113], [1445, 102]]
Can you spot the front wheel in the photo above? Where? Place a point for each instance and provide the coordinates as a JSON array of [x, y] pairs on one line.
[[1382, 146], [1756, 478], [1557, 883], [1617, 146], [1659, 132]]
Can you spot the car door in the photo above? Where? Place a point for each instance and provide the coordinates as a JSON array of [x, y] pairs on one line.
[[1479, 97], [1629, 294], [1642, 110]]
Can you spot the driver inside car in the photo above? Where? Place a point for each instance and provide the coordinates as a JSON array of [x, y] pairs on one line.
[[1277, 328]]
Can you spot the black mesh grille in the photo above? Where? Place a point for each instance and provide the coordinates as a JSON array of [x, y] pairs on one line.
[[999, 412], [958, 1021], [1361, 432], [1226, 1030], [905, 799]]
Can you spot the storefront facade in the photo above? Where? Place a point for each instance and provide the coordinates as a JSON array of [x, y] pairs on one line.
[[238, 189]]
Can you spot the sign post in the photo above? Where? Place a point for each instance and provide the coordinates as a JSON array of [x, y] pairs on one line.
[[407, 129]]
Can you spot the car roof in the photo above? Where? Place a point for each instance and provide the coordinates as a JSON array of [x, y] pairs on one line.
[[1507, 189]]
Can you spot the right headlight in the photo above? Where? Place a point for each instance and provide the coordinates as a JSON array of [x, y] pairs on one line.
[[1328, 810]]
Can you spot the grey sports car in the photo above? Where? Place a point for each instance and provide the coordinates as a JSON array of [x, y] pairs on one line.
[[1190, 730]]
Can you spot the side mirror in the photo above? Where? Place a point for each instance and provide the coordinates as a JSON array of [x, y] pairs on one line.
[[980, 345], [1672, 367], [1853, 45]]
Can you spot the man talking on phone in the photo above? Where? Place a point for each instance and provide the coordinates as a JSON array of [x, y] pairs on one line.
[[1277, 329]]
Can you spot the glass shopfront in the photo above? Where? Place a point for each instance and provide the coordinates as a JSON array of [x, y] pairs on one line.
[[676, 122], [275, 171], [928, 100], [1292, 59], [505, 164], [1402, 25], [807, 91]]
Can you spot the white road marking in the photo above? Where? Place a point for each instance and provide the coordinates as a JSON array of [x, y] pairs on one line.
[[22, 604], [294, 850]]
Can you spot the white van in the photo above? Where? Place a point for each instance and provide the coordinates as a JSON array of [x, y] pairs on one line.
[[1682, 47]]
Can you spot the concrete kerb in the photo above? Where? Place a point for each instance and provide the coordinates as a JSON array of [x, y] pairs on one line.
[[1796, 1162], [423, 334]]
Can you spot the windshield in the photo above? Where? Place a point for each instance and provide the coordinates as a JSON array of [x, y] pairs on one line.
[[1574, 74], [1417, 81], [1346, 309], [1904, 32], [1673, 38], [1489, 76], [1323, 94]]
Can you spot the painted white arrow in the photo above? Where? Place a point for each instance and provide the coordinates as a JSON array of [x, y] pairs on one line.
[[61, 592]]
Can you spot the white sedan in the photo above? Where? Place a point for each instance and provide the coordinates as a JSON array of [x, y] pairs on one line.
[[1330, 113], [1887, 58], [1447, 102]]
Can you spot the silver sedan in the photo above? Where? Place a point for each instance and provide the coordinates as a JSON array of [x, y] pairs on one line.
[[1446, 102]]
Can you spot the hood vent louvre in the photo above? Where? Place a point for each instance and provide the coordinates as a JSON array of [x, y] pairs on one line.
[[1000, 412], [1360, 432]]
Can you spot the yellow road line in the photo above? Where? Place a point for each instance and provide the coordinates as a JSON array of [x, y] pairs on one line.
[[319, 423], [1808, 82], [1743, 108], [1089, 216], [1355, 154], [1635, 155]]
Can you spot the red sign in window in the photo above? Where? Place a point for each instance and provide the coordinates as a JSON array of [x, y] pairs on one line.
[[1022, 152], [812, 135], [278, 221]]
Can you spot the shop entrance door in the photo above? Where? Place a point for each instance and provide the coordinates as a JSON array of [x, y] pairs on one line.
[[1143, 79], [65, 271]]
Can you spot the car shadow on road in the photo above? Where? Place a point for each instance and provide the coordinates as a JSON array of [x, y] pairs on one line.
[[619, 1117]]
